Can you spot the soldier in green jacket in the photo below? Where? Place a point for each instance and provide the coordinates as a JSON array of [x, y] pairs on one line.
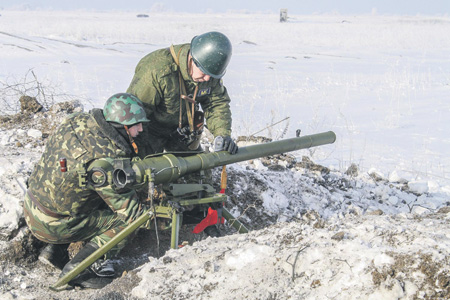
[[59, 211], [173, 83]]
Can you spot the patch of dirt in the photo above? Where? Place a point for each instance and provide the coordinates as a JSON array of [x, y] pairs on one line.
[[23, 249], [34, 116], [435, 282]]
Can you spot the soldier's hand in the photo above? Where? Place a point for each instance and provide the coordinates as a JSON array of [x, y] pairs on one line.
[[185, 131], [225, 143]]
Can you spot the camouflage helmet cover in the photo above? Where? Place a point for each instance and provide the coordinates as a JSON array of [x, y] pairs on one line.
[[211, 53], [125, 109]]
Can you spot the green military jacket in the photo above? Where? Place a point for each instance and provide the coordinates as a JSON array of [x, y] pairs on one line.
[[81, 139], [156, 83]]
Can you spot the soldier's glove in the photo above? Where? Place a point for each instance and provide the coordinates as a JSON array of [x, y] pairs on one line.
[[188, 137], [225, 143], [185, 131]]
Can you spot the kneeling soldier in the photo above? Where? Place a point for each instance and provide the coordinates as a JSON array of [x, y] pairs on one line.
[[58, 211]]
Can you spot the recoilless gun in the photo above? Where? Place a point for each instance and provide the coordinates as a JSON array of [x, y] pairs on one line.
[[165, 169]]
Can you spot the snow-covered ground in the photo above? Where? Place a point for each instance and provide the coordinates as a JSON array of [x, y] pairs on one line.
[[381, 83]]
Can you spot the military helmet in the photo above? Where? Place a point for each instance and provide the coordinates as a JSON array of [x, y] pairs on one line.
[[124, 109], [211, 53]]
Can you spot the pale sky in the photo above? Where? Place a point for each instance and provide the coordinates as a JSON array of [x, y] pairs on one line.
[[383, 7]]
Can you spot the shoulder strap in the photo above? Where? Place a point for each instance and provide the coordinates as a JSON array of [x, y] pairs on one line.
[[176, 58]]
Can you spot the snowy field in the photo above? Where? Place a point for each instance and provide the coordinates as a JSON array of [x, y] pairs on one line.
[[381, 83]]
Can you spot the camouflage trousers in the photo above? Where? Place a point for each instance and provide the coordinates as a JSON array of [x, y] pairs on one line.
[[99, 227]]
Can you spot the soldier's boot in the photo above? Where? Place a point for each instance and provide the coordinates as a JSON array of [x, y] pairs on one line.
[[90, 277], [212, 231], [103, 268], [54, 255]]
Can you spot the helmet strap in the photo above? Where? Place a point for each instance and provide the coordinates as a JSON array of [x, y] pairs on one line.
[[133, 143]]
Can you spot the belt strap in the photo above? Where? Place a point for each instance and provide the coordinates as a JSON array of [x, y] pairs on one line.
[[44, 209]]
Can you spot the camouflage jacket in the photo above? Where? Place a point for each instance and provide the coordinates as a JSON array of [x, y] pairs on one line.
[[82, 138], [156, 83]]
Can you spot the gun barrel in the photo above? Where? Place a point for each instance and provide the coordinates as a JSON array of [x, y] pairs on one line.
[[168, 167]]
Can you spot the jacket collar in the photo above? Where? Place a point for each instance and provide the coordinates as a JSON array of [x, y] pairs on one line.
[[184, 55], [110, 132]]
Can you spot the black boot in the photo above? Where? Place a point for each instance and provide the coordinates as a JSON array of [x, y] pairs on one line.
[[103, 268], [54, 255], [212, 231], [87, 278]]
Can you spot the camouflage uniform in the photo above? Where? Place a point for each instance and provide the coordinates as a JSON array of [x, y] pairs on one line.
[[78, 214], [156, 83]]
